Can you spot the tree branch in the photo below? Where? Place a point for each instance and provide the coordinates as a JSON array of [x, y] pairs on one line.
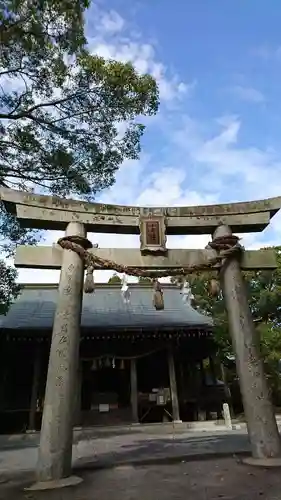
[[27, 113], [19, 102], [10, 71], [6, 27]]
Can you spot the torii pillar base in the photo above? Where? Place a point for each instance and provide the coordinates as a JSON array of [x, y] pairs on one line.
[[54, 485], [262, 462]]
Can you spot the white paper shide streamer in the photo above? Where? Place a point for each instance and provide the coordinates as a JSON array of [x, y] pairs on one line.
[[186, 292], [125, 292]]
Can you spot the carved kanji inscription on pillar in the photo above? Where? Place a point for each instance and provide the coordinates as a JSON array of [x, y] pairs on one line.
[[153, 234]]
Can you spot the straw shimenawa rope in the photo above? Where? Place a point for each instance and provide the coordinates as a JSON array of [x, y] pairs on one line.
[[226, 247]]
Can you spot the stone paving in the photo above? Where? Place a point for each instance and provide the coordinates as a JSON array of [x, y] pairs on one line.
[[19, 456], [225, 479]]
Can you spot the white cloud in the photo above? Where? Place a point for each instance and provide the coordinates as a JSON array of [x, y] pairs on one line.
[[111, 22], [111, 38], [236, 172], [248, 94], [267, 53], [222, 160]]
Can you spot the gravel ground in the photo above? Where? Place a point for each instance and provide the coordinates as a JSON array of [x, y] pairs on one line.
[[226, 479]]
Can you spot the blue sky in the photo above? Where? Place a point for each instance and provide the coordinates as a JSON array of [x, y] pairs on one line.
[[216, 137]]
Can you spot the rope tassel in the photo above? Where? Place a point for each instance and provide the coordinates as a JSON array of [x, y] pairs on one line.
[[89, 285], [214, 288], [158, 298]]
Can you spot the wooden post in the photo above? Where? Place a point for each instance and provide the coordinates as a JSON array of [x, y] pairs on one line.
[[202, 373], [5, 353], [212, 370], [182, 377], [173, 386], [227, 392], [35, 389], [261, 422], [55, 449], [134, 390]]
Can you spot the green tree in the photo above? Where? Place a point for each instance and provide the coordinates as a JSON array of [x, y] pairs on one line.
[[271, 352], [61, 107], [211, 305], [144, 280], [114, 279], [9, 289], [264, 289]]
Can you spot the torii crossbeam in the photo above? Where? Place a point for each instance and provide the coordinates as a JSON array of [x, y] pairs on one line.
[[53, 213]]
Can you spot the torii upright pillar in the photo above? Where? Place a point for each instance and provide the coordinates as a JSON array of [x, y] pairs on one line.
[[261, 422], [55, 450]]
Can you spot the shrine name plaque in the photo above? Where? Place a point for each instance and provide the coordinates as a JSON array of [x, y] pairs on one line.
[[153, 234]]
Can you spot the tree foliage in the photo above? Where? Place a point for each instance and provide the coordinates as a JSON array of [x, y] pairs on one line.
[[144, 280], [9, 289], [114, 279], [60, 106]]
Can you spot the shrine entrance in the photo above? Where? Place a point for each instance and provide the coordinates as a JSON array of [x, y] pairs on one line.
[[75, 252], [105, 393]]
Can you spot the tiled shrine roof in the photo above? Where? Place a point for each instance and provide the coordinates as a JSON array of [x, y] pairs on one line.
[[105, 309]]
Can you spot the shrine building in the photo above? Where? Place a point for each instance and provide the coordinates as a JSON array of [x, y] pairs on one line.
[[137, 364]]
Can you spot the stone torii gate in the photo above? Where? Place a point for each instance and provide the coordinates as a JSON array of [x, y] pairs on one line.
[[75, 252]]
